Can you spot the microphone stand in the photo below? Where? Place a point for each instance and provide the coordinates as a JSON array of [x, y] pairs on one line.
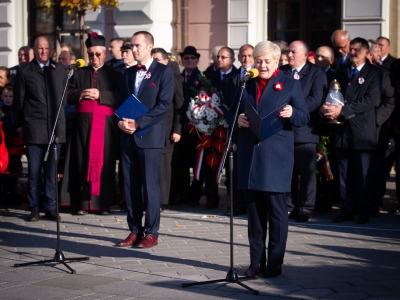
[[231, 276], [59, 256]]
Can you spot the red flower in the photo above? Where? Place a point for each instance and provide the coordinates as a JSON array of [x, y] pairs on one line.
[[191, 128], [212, 160], [95, 35], [278, 86], [205, 142], [220, 146], [220, 133]]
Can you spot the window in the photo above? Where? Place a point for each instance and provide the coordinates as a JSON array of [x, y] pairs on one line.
[[312, 21]]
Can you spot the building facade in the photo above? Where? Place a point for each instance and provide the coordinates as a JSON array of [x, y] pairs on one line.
[[203, 23]]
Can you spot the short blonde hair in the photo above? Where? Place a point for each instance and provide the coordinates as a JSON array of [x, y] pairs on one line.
[[267, 47]]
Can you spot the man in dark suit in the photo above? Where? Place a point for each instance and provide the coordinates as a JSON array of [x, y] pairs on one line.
[[173, 130], [153, 84], [185, 153], [37, 95], [228, 90], [325, 58], [226, 58], [383, 112], [386, 59], [341, 43], [312, 79], [356, 139], [115, 52], [25, 56]]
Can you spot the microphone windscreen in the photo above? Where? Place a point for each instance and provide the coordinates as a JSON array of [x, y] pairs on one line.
[[254, 72], [80, 63]]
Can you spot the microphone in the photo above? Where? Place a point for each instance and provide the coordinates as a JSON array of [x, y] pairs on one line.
[[79, 63], [252, 73]]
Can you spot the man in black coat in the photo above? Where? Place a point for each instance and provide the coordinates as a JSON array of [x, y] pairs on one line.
[[312, 78], [173, 130], [386, 59], [355, 141], [341, 43], [37, 96]]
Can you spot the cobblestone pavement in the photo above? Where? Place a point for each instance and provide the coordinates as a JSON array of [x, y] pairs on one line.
[[323, 260]]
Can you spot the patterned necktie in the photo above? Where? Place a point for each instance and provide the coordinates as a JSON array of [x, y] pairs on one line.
[[353, 72], [223, 76], [187, 77], [140, 67]]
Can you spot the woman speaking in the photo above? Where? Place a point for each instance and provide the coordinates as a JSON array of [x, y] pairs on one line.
[[265, 168]]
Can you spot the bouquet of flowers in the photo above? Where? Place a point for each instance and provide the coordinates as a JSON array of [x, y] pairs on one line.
[[207, 121]]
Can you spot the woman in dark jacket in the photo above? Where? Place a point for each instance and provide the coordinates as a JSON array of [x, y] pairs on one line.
[[265, 168]]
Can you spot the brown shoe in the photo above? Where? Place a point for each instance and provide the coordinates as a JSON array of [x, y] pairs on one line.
[[130, 240], [148, 241]]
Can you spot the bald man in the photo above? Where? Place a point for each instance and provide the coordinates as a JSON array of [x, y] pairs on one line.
[[301, 201], [341, 43], [325, 57]]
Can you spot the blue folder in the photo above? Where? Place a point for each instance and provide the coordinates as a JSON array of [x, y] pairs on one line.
[[132, 108], [263, 127]]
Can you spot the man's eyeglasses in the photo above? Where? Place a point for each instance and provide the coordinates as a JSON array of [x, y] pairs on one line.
[[92, 54], [223, 57], [189, 57], [323, 57]]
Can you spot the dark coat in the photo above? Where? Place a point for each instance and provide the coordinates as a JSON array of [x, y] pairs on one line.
[[268, 166], [314, 87], [384, 110], [387, 63], [75, 190], [173, 122], [37, 96], [156, 93], [330, 75], [362, 94], [215, 77], [336, 66]]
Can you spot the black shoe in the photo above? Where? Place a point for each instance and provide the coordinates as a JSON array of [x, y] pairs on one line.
[[194, 203], [343, 217], [210, 205], [362, 219], [397, 210], [122, 204], [375, 214], [162, 208], [272, 271], [252, 271], [104, 212], [293, 214], [52, 215], [34, 216], [237, 212], [302, 217], [81, 212]]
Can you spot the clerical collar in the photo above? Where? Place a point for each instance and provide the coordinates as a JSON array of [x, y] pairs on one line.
[[383, 58], [42, 65], [98, 67], [299, 68]]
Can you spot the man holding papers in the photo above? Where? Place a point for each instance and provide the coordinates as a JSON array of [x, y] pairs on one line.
[[153, 85]]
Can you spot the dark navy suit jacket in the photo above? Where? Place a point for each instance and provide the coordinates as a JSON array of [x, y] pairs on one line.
[[314, 87], [156, 94], [268, 166], [362, 94]]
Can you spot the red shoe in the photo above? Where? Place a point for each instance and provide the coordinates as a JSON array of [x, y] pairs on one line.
[[148, 241], [130, 240]]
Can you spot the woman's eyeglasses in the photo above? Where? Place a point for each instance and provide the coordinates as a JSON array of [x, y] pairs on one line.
[[92, 54]]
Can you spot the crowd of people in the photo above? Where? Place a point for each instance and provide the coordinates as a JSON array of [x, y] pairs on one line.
[[277, 176]]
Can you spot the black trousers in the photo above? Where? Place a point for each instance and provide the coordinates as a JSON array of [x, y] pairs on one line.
[[303, 193], [355, 172], [261, 204]]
